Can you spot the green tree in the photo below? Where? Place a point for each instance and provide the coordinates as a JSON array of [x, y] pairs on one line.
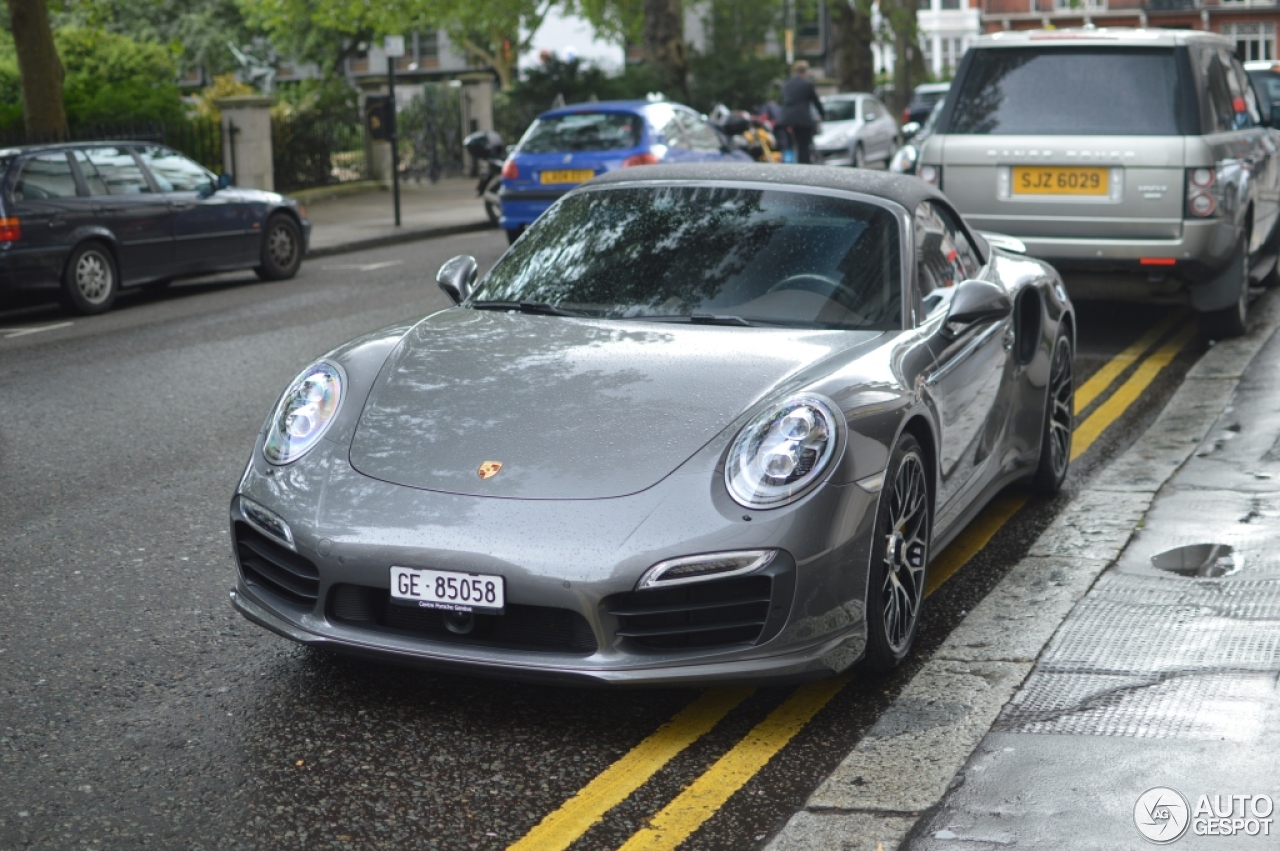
[[39, 68], [195, 33], [734, 69], [111, 79]]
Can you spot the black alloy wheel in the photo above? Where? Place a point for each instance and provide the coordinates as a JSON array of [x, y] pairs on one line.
[[90, 281], [899, 558], [281, 253], [1059, 420]]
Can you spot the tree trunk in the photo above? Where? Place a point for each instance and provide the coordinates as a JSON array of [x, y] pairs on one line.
[[664, 45], [40, 69], [855, 69]]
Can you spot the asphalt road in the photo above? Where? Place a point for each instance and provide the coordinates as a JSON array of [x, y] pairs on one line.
[[137, 710]]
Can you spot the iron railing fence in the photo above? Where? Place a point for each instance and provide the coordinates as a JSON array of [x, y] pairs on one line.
[[198, 138], [310, 151], [429, 134]]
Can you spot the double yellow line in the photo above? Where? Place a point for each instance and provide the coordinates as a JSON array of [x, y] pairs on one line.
[[708, 793]]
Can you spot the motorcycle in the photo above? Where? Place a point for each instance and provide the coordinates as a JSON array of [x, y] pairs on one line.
[[489, 151], [751, 133]]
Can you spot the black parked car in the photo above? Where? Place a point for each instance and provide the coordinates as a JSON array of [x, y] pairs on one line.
[[92, 217]]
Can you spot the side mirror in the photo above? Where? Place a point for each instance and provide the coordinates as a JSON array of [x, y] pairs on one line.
[[224, 180], [910, 129], [977, 301], [457, 276]]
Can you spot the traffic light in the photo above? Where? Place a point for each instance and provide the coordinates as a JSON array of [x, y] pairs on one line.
[[379, 117]]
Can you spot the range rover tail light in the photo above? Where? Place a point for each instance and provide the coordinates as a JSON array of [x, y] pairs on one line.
[[1202, 193]]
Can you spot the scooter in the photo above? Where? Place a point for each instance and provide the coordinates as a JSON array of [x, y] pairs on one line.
[[490, 152]]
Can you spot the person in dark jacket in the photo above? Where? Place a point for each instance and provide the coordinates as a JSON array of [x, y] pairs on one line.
[[799, 100]]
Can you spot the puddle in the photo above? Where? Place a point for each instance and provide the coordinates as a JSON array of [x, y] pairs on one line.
[[1200, 560]]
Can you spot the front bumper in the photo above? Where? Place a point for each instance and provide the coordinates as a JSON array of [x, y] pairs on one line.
[[570, 568]]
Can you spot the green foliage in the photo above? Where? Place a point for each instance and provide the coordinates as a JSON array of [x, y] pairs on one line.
[[194, 33], [110, 79], [738, 81]]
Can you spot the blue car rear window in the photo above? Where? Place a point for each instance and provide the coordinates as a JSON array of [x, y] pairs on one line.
[[584, 131]]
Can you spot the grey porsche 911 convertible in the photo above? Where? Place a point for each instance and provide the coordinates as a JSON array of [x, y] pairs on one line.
[[699, 424]]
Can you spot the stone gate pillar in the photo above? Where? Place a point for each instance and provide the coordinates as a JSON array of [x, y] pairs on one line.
[[246, 140]]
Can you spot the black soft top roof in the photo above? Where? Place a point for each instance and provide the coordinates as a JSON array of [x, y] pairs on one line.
[[905, 190]]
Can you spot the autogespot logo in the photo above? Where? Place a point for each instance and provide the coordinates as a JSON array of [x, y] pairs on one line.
[[1162, 815]]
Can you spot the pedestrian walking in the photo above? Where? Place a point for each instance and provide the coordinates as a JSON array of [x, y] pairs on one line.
[[799, 103]]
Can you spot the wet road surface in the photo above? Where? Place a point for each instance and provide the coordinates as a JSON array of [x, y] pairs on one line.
[[137, 710]]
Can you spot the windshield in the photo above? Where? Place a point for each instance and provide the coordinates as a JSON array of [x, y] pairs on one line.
[[840, 110], [1095, 92], [585, 131], [696, 254]]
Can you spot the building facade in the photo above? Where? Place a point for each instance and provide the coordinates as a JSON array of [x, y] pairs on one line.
[[1251, 24]]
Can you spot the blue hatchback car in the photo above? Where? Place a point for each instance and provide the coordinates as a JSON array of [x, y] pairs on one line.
[[568, 146]]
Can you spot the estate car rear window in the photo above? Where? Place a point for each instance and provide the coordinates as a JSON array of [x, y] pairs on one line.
[[583, 131], [1070, 92], [731, 256]]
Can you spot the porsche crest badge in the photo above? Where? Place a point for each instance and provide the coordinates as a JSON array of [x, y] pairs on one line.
[[489, 469]]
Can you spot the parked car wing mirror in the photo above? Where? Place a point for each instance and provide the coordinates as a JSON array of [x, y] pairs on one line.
[[457, 276], [910, 129], [977, 301], [224, 180]]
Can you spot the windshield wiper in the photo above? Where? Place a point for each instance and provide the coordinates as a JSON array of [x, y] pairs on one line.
[[537, 307], [700, 319]]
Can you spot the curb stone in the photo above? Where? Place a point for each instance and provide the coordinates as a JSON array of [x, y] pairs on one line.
[[397, 238], [906, 763]]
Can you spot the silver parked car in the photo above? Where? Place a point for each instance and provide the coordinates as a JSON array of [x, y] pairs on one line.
[[701, 423], [857, 130], [1148, 174]]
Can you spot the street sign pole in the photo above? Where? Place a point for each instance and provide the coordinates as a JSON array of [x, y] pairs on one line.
[[394, 46]]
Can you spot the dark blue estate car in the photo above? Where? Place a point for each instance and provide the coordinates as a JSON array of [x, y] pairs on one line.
[[568, 146], [93, 217]]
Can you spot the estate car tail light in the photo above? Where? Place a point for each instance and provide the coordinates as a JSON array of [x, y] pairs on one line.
[[1202, 193], [510, 171], [640, 159], [10, 229]]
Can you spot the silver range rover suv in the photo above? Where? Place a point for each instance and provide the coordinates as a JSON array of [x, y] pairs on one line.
[[1136, 161]]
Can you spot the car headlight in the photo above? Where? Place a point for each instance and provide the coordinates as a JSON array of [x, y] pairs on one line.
[[303, 413], [782, 452]]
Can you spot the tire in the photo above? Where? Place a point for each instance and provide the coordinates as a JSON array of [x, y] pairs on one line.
[[492, 206], [859, 156], [281, 252], [90, 281], [1059, 421], [899, 558], [1231, 321]]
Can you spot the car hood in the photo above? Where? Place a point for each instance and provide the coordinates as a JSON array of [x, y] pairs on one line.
[[831, 129], [571, 408]]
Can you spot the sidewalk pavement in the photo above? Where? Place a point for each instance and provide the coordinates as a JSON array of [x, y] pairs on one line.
[[343, 220], [1094, 699]]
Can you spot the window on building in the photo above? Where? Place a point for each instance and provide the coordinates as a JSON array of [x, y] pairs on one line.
[[951, 4], [952, 50], [1255, 40], [1079, 5]]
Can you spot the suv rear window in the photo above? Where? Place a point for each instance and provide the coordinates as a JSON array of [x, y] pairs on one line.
[[1094, 92], [587, 131]]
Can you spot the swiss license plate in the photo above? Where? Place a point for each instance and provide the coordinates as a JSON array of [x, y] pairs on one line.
[[1048, 180], [567, 176], [447, 590]]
